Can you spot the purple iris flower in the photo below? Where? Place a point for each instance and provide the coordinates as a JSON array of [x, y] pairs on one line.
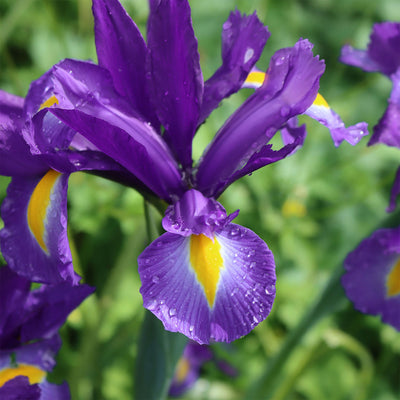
[[372, 279], [39, 153], [29, 340], [383, 55], [188, 368], [206, 277]]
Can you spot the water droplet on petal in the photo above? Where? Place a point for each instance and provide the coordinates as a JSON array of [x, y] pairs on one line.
[[172, 312], [155, 279], [248, 55]]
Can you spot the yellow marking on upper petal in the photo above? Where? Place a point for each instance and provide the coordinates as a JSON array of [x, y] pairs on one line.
[[320, 101], [393, 280], [255, 78], [34, 374], [38, 204], [49, 102], [206, 260], [182, 369]]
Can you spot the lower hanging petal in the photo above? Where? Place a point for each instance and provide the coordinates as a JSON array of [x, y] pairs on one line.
[[208, 289], [372, 278], [34, 239]]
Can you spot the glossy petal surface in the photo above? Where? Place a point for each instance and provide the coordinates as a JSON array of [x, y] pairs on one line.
[[176, 78], [122, 50], [245, 288]]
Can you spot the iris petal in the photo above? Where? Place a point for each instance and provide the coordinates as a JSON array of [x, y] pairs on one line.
[[372, 273], [245, 284], [321, 112], [22, 250]]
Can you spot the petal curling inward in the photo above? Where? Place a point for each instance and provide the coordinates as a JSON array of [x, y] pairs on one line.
[[372, 278], [321, 112], [195, 214], [245, 290], [34, 374], [38, 206]]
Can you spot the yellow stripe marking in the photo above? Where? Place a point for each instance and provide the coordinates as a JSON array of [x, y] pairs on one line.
[[182, 369], [38, 204], [393, 280], [255, 77], [34, 374], [49, 102], [206, 260], [258, 77]]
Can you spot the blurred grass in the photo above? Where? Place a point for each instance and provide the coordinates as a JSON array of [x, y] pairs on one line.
[[311, 209]]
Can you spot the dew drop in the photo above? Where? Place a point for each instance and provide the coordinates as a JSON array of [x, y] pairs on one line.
[[155, 279], [172, 312], [191, 328], [248, 55]]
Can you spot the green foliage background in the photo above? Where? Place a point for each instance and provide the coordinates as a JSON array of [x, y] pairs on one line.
[[311, 209]]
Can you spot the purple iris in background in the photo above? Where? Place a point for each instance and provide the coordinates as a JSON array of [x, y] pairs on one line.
[[29, 340], [188, 369], [140, 108], [372, 279], [383, 55]]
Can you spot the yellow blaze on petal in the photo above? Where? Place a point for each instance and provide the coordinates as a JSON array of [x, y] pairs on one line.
[[182, 369], [34, 374], [49, 102], [393, 280], [255, 78], [38, 204], [320, 101], [206, 260]]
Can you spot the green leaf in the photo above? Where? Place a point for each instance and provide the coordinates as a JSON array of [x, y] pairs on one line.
[[158, 354]]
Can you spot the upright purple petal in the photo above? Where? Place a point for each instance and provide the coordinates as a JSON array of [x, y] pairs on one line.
[[387, 130], [291, 87], [88, 103], [243, 39], [122, 50], [382, 53], [384, 46], [372, 278], [176, 78]]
